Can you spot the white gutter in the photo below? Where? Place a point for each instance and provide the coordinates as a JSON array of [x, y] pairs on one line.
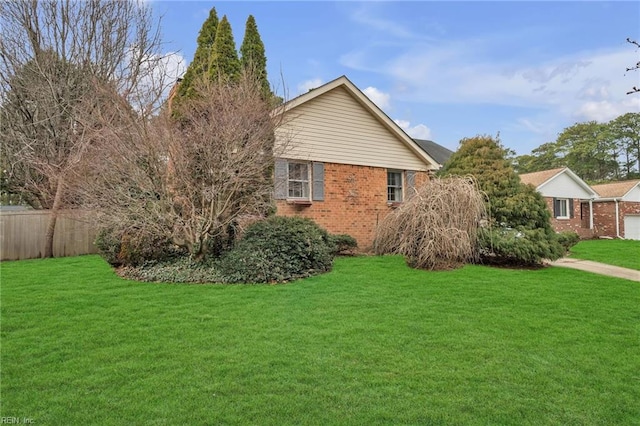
[[617, 219], [615, 200], [591, 214]]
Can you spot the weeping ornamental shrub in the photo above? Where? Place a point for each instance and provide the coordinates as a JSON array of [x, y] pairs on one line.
[[278, 249], [437, 228], [519, 230]]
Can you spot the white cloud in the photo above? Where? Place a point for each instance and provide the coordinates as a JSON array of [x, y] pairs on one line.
[[158, 75], [365, 15], [605, 110], [419, 131], [168, 69], [175, 65], [532, 126], [582, 86], [307, 85], [378, 97]]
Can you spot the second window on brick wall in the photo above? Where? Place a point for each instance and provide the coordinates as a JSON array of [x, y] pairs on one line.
[[394, 186]]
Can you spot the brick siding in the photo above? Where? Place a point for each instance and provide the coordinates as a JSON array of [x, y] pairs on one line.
[[355, 201], [579, 223], [604, 217]]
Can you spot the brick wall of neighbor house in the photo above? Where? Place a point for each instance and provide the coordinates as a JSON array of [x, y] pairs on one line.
[[576, 224], [604, 217], [355, 201]]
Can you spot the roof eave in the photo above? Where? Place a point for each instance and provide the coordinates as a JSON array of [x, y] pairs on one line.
[[574, 177]]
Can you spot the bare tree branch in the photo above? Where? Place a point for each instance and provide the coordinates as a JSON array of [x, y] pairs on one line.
[[188, 175], [55, 58], [636, 67]]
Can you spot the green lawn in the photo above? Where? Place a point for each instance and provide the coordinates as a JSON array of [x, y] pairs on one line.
[[372, 342], [625, 253]]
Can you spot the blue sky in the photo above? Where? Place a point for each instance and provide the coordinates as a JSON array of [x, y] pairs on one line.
[[445, 70]]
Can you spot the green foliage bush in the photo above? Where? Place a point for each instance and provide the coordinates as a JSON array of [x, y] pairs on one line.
[[568, 239], [176, 270], [120, 248], [519, 231], [278, 249], [518, 247], [343, 244], [108, 244]]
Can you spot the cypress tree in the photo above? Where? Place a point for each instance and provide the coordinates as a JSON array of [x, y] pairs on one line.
[[200, 64], [224, 63], [253, 58]]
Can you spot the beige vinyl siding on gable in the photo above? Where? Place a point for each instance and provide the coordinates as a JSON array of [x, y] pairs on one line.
[[336, 128]]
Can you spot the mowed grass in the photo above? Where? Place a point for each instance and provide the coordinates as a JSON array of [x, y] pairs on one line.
[[372, 342], [625, 253]]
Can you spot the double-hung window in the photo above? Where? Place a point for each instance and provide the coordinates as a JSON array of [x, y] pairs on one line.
[[394, 186], [298, 180], [562, 208]]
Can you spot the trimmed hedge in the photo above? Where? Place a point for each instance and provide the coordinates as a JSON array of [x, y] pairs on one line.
[[278, 249]]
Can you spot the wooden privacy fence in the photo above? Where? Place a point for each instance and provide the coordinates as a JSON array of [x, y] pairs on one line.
[[22, 234]]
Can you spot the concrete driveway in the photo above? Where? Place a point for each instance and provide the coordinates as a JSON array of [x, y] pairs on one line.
[[598, 268]]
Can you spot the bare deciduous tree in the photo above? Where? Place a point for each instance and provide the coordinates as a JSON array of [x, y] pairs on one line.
[[56, 57], [636, 67], [189, 174]]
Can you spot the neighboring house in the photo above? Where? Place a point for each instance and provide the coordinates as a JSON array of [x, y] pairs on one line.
[[568, 198], [435, 151], [617, 210], [346, 164]]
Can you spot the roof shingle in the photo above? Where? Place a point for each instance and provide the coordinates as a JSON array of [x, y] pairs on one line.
[[538, 178], [615, 189]]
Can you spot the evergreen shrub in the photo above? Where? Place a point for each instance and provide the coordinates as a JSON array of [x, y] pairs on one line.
[[135, 248], [519, 230], [343, 244], [278, 249], [568, 239]]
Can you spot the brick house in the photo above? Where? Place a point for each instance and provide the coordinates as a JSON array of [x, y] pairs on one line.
[[616, 211], [568, 198], [344, 163]]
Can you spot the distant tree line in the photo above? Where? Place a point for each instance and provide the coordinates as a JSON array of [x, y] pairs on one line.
[[597, 152]]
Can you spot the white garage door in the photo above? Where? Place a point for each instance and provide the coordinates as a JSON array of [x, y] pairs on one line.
[[632, 227]]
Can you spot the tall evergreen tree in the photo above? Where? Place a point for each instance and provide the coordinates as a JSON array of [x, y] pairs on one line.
[[224, 62], [253, 58], [200, 64], [544, 157], [519, 230], [590, 151], [626, 132]]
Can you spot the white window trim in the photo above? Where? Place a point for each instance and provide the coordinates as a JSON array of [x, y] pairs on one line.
[[402, 185], [308, 181], [564, 201]]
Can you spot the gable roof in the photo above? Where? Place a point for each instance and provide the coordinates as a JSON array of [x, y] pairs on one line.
[[435, 151], [616, 189], [369, 106], [538, 178], [543, 177]]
